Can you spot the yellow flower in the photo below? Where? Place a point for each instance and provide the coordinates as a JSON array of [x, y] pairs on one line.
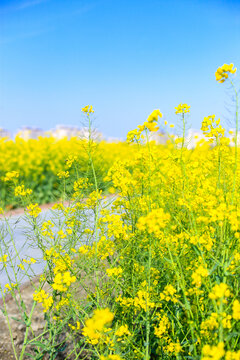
[[43, 298], [154, 222], [213, 352], [219, 291], [151, 126], [182, 109], [223, 72], [209, 324], [198, 274], [232, 355], [63, 174], [110, 357], [21, 266], [63, 280], [84, 249], [88, 109], [122, 330], [226, 320], [21, 191], [77, 327], [174, 348], [236, 310], [154, 116], [163, 325], [94, 327], [31, 261], [61, 234], [11, 175], [3, 259], [115, 271], [169, 294], [212, 128], [7, 286], [34, 210], [134, 135]]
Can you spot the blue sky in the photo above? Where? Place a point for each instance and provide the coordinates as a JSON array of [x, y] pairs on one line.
[[124, 57]]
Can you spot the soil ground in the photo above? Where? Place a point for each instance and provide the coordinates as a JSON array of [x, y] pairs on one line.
[[18, 329], [20, 211], [37, 325]]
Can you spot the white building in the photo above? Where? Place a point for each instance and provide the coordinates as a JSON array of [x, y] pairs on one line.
[[27, 133], [158, 137], [62, 131], [232, 133], [111, 139], [5, 133], [193, 137]]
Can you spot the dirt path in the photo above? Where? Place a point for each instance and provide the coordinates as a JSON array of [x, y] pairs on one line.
[[37, 326], [18, 328], [20, 211]]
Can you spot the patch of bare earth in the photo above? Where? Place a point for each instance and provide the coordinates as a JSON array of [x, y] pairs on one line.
[[19, 328]]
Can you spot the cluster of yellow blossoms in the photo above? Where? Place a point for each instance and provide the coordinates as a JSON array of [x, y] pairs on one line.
[[88, 109], [182, 109], [95, 327], [43, 298], [223, 72], [34, 210], [212, 128], [21, 191], [150, 124], [11, 175]]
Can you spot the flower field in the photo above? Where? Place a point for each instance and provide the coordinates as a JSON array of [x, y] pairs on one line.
[[156, 274], [39, 163]]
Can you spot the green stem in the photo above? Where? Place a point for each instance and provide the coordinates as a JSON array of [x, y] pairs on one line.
[[96, 212], [184, 131], [147, 355], [27, 331], [8, 323], [235, 141]]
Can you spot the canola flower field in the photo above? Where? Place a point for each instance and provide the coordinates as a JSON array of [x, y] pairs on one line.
[[159, 271], [40, 164]]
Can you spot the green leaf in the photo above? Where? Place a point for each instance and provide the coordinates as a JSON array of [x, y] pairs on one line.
[[30, 355], [38, 343], [18, 320]]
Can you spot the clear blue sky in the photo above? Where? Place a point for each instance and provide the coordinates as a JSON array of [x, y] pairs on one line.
[[124, 57]]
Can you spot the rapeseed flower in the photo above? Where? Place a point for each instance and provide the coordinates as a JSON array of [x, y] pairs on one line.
[[88, 109], [94, 327], [182, 109], [223, 72], [213, 352]]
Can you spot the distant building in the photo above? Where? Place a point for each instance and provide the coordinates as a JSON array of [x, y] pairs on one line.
[[62, 131], [158, 137], [232, 133], [27, 133], [5, 133], [111, 139], [193, 137]]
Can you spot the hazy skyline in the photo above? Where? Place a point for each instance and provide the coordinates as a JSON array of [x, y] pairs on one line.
[[125, 58]]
